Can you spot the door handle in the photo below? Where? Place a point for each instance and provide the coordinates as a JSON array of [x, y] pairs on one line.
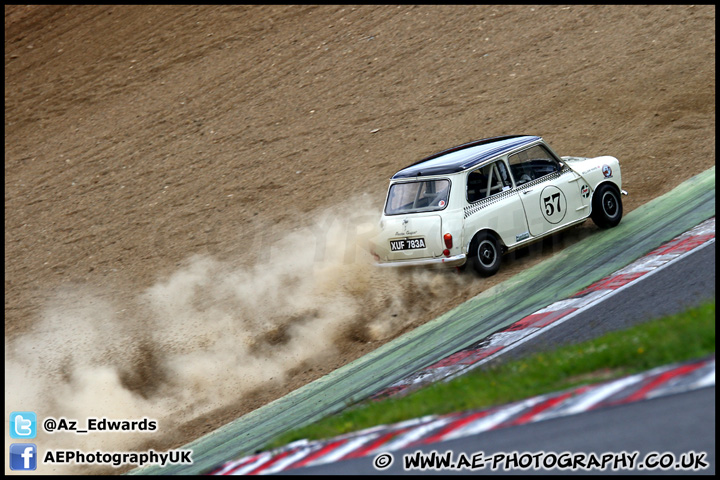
[[527, 191]]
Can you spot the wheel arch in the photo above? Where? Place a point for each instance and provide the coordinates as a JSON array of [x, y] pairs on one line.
[[503, 247]]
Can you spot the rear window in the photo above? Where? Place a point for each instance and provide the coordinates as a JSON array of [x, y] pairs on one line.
[[422, 196]]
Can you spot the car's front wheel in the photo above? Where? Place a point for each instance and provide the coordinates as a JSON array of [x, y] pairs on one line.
[[606, 206], [485, 254]]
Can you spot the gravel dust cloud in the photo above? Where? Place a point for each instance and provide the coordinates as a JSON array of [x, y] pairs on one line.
[[210, 333]]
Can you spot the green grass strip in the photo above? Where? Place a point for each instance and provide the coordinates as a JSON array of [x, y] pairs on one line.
[[677, 338]]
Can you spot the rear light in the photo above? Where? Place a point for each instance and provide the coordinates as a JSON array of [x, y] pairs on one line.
[[448, 240], [446, 252]]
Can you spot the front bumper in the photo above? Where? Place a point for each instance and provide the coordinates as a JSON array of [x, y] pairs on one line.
[[454, 261]]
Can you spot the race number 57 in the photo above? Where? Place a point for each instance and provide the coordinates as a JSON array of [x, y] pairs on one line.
[[552, 204]]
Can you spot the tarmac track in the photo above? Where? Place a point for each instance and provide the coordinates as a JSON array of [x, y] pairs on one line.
[[677, 423]]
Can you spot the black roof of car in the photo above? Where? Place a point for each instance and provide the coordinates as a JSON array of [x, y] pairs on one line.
[[462, 157]]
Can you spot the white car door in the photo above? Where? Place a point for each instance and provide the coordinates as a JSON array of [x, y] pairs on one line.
[[549, 192], [494, 205]]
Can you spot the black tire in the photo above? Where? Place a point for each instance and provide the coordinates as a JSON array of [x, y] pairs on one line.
[[485, 254], [606, 206]]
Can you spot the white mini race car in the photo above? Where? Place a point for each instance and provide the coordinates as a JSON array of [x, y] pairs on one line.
[[475, 202]]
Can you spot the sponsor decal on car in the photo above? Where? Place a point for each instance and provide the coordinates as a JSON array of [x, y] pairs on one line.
[[607, 171]]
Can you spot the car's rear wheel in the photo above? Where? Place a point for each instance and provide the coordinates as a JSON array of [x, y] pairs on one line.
[[485, 254], [606, 206]]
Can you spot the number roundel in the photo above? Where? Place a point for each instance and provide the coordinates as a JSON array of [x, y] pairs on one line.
[[553, 204]]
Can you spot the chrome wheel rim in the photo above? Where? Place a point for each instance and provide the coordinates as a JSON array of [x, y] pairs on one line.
[[486, 253], [610, 204]]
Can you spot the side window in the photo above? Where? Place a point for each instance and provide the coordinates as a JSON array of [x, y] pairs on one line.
[[535, 162], [487, 181]]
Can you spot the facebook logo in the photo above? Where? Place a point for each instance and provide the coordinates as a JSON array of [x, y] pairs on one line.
[[23, 425], [23, 456]]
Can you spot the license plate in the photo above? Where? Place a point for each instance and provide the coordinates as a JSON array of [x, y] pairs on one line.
[[407, 244]]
